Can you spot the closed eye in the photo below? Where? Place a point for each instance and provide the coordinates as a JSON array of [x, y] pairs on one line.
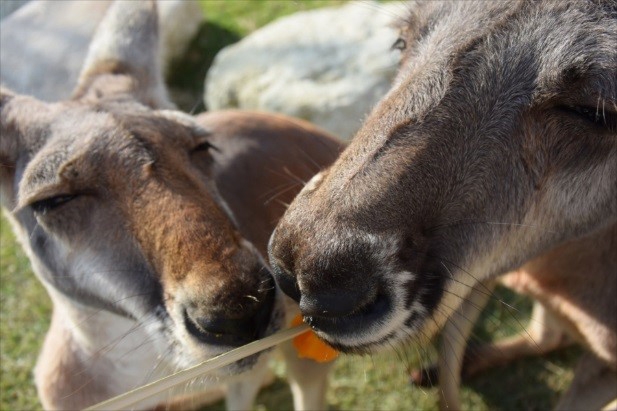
[[595, 115], [52, 203], [204, 146], [399, 44]]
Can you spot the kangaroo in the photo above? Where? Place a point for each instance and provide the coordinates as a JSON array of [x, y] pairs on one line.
[[495, 151], [147, 226]]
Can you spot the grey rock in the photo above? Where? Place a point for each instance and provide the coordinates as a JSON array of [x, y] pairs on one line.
[[328, 66], [9, 6]]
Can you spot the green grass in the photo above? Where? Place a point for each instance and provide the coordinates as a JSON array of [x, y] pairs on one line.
[[379, 382], [24, 316]]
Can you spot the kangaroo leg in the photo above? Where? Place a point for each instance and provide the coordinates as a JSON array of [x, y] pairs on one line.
[[307, 379], [453, 344], [454, 338], [193, 401], [241, 393], [594, 386], [542, 335]]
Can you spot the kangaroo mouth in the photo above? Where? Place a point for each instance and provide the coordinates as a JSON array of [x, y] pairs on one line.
[[353, 333], [229, 332], [350, 324], [394, 314]]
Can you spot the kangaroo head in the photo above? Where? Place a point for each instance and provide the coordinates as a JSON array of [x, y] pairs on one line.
[[496, 142], [112, 196]]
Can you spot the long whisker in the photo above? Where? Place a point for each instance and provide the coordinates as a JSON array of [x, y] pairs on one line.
[[288, 176], [421, 346], [162, 367], [114, 342], [281, 192], [459, 360], [386, 11], [294, 176], [89, 317], [492, 295], [281, 186], [284, 204], [315, 164], [456, 223], [486, 291]]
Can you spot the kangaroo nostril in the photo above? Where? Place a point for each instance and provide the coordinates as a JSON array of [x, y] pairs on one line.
[[287, 282], [213, 325], [214, 329], [334, 304], [218, 328], [353, 317]]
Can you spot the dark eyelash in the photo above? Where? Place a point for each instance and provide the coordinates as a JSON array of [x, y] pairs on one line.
[[204, 146], [399, 44], [593, 115], [49, 204]]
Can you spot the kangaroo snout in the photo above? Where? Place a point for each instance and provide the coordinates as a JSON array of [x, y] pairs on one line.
[[330, 282], [333, 303], [339, 283], [335, 307], [217, 326], [226, 305]]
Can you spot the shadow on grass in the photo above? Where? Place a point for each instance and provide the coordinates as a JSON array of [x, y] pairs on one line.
[[506, 313], [186, 75], [532, 383], [528, 384], [276, 396]]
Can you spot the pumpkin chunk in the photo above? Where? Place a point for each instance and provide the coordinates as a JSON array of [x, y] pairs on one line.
[[312, 347]]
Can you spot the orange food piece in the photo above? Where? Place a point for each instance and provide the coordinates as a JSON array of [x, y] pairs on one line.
[[312, 347]]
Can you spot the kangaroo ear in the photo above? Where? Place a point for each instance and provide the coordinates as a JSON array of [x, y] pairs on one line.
[[23, 123], [8, 143], [124, 58]]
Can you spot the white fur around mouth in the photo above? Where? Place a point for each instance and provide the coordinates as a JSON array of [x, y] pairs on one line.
[[390, 326]]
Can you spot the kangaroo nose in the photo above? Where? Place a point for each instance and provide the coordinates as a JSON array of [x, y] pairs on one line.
[[333, 304], [218, 328], [287, 282]]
